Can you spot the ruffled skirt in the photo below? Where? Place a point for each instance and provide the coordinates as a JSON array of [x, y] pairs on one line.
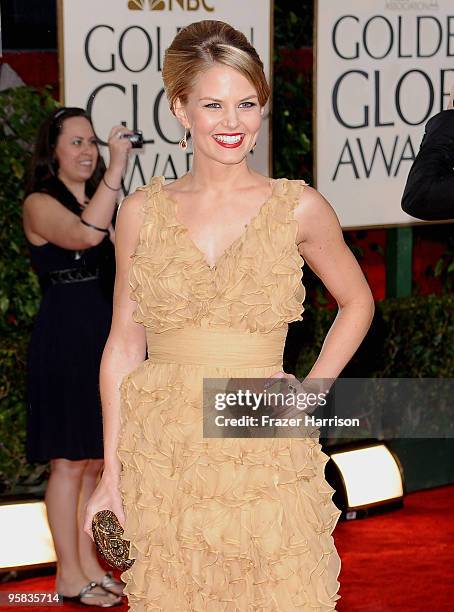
[[220, 525]]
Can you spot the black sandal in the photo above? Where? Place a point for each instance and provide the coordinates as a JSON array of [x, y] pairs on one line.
[[85, 593]]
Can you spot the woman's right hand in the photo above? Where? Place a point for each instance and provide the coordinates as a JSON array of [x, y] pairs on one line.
[[106, 496], [119, 148]]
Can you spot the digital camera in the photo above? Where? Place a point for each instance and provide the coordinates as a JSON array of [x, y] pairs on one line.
[[136, 139]]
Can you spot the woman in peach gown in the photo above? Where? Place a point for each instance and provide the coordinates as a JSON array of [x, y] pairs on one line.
[[208, 278]]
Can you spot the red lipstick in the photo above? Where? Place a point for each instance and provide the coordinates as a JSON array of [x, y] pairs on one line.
[[224, 138]]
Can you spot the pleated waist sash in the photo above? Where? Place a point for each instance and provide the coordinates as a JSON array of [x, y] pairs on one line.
[[213, 347]]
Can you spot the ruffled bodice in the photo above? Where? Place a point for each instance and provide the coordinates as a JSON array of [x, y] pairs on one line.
[[255, 285]]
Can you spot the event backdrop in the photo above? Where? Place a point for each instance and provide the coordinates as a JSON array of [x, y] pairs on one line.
[[111, 54], [383, 68]]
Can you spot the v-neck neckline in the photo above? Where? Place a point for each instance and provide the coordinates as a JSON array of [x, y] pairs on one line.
[[240, 239]]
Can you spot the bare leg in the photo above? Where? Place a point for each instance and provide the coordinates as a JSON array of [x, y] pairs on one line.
[[87, 551], [62, 495]]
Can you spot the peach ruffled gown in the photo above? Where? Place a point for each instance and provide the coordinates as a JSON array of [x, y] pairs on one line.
[[219, 525]]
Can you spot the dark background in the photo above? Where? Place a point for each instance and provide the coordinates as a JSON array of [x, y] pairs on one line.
[[29, 24]]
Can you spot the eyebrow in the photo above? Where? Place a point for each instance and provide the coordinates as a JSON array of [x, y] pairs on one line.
[[217, 100]]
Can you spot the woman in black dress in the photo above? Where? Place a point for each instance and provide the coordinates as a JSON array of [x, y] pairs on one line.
[[67, 217]]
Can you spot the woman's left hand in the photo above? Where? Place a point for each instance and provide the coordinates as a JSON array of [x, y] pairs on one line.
[[312, 390], [282, 387], [280, 374]]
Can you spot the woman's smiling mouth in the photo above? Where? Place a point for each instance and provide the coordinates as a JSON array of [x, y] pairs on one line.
[[229, 141]]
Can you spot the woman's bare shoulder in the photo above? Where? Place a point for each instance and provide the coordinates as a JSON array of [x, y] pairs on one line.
[[315, 215], [132, 205], [312, 202], [37, 199]]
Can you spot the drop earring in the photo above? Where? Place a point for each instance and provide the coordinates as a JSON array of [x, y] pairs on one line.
[[183, 144], [252, 150]]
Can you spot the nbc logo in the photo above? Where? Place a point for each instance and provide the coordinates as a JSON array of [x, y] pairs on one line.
[[168, 5]]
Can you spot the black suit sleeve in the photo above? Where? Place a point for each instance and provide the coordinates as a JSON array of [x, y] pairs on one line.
[[429, 192]]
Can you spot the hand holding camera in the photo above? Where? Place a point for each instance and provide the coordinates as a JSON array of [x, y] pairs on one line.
[[120, 142]]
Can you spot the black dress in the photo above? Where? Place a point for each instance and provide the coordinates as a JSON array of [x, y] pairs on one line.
[[70, 331]]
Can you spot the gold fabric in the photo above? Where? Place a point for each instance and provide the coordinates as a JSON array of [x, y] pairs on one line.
[[228, 524]]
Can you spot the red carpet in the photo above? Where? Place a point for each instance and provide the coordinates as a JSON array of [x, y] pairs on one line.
[[401, 561]]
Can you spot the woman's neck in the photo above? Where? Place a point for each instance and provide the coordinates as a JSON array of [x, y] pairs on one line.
[[215, 176]]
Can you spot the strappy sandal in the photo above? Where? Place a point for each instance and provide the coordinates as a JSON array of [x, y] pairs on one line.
[[85, 593], [108, 582]]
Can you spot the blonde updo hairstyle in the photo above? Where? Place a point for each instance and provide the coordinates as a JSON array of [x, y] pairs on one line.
[[199, 46]]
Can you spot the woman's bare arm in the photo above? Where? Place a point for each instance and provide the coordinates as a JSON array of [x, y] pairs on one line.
[[46, 219], [124, 351], [322, 246], [126, 345]]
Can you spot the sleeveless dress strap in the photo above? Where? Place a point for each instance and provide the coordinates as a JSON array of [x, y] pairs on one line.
[[288, 192], [294, 190], [151, 189], [154, 185]]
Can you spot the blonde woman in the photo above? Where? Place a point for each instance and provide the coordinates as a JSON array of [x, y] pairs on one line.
[[208, 278]]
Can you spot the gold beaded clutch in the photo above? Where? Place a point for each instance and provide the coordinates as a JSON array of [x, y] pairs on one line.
[[107, 533]]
